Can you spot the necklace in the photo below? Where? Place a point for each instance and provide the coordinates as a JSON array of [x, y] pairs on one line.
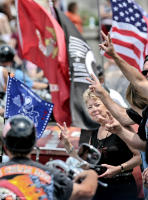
[[102, 142]]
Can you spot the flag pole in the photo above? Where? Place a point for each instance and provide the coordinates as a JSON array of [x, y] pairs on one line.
[[9, 72], [99, 17], [51, 7], [99, 35]]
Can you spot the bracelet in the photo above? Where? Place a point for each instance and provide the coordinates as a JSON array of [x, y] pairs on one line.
[[122, 168]]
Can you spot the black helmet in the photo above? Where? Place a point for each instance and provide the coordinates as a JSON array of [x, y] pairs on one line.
[[19, 135], [7, 53]]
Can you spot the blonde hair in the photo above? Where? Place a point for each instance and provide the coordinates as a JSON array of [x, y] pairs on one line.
[[134, 98], [88, 94]]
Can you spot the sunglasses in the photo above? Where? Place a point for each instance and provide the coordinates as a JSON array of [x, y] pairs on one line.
[[144, 72], [146, 59]]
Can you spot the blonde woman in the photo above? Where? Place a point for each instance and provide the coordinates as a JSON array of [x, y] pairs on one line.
[[117, 157]]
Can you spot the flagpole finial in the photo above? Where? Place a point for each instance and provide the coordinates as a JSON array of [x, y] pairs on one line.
[[51, 2]]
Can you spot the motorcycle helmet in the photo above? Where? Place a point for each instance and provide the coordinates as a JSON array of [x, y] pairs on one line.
[[7, 53], [19, 135]]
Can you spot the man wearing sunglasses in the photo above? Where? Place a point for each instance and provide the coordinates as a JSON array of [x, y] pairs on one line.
[[141, 85]]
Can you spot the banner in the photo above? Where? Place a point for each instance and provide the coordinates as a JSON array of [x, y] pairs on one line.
[[21, 100], [81, 64], [43, 43]]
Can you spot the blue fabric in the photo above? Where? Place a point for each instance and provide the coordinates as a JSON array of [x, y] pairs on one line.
[[129, 12], [21, 100], [24, 78]]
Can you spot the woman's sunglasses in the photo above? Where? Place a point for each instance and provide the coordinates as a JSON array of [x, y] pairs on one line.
[[144, 72]]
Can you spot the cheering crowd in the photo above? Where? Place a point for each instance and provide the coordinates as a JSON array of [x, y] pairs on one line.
[[122, 148]]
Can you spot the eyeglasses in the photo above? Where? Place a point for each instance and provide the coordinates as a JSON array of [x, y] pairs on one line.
[[144, 72]]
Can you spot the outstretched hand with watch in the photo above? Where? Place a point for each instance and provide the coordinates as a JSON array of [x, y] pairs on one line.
[[111, 171]]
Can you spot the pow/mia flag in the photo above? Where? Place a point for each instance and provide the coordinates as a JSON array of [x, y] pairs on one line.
[[21, 100], [81, 65]]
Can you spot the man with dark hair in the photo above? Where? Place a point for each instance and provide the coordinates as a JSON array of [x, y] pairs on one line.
[[72, 14], [145, 67], [140, 84], [22, 178]]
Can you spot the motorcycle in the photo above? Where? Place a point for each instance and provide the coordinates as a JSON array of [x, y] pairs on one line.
[[88, 157]]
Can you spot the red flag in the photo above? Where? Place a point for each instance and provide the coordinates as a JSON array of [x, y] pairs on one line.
[[43, 43], [129, 31]]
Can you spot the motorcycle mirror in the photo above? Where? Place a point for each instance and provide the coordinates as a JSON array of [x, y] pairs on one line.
[[89, 153]]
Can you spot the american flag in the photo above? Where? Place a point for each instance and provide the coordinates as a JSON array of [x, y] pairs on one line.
[[129, 31]]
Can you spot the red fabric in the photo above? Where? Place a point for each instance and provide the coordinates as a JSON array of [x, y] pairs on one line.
[[6, 184], [43, 43], [146, 20], [139, 182]]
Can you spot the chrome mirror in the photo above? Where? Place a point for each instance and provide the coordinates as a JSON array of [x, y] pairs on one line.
[[89, 153]]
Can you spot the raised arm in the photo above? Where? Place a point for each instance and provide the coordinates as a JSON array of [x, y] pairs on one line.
[[85, 184], [5, 75], [67, 144], [131, 73], [116, 110], [134, 161], [129, 137]]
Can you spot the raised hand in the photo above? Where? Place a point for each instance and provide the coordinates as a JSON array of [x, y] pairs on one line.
[[107, 44], [64, 132], [104, 119], [64, 135], [113, 125], [95, 85]]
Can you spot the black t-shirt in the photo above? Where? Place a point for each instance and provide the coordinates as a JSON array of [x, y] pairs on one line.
[[139, 120], [28, 178], [113, 151], [134, 115]]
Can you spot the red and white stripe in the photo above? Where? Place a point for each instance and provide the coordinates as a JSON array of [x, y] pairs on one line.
[[129, 43]]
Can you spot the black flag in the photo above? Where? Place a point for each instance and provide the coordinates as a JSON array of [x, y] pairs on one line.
[[81, 64]]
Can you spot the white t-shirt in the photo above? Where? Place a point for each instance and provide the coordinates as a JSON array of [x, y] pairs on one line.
[[116, 97]]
